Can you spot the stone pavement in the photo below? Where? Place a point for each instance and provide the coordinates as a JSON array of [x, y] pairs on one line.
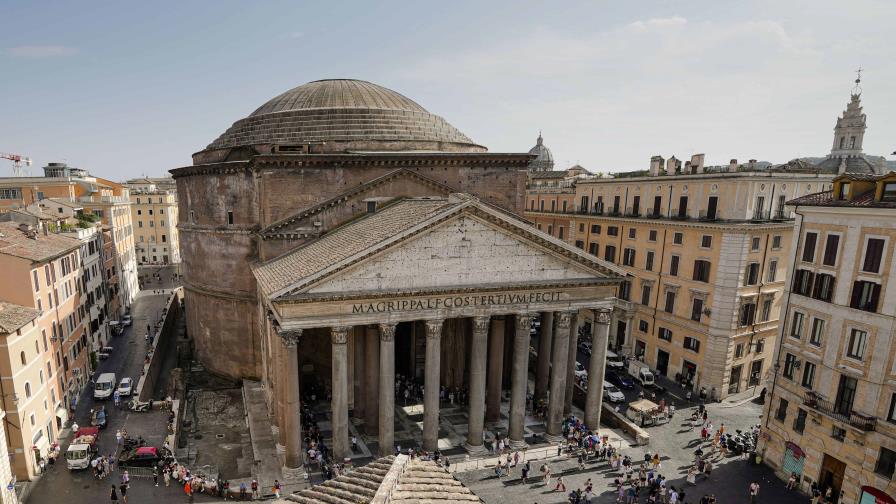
[[675, 442]]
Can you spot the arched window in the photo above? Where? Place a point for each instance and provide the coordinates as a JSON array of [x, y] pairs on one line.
[[22, 355], [27, 390]]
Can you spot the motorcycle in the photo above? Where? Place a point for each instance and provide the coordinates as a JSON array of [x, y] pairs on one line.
[[131, 443], [136, 405]]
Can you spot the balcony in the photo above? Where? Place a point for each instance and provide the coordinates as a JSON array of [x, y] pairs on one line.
[[761, 215], [654, 214], [682, 215], [614, 212], [633, 212], [780, 215], [707, 217], [859, 421]]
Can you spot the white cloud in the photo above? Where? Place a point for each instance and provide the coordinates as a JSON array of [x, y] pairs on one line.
[[643, 26], [41, 51]]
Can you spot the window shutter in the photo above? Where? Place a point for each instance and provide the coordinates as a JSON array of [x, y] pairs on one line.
[[875, 297], [856, 294]]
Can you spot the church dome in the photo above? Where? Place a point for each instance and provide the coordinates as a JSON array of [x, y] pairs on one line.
[[544, 160], [345, 114]]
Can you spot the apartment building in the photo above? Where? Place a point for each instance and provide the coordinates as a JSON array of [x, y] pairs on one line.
[[154, 216], [43, 271], [25, 385], [121, 274], [93, 287], [706, 254], [830, 417]]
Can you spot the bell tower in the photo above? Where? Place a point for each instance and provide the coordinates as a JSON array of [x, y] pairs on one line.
[[850, 128]]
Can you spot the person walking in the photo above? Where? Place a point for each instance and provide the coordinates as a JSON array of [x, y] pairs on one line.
[[155, 476], [254, 489], [166, 475], [560, 486], [113, 495], [123, 488], [354, 444], [754, 492], [276, 488]]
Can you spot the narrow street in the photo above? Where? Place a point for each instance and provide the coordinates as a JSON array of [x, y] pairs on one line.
[[58, 483]]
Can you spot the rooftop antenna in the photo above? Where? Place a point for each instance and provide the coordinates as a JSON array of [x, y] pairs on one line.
[[858, 89]]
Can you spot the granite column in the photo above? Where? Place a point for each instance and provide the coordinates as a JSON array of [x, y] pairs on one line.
[[519, 381], [431, 384], [387, 389], [339, 405], [476, 421], [600, 332]]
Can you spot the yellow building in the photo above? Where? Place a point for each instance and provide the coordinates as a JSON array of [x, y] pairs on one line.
[[154, 217], [27, 404], [831, 412], [705, 249]]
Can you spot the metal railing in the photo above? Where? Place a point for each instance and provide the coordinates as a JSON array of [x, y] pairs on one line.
[[706, 216], [760, 215], [860, 421], [676, 215], [633, 212]]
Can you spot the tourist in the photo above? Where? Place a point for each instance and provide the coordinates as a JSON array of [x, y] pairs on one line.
[[560, 485], [123, 488], [276, 488], [754, 492], [254, 488], [113, 495], [791, 483]]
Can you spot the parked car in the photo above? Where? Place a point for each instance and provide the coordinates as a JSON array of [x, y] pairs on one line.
[[126, 320], [614, 360], [125, 387], [620, 380], [144, 456], [581, 372], [613, 394]]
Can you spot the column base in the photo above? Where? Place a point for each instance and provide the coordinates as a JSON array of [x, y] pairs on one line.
[[553, 439], [476, 451], [293, 474], [518, 445]]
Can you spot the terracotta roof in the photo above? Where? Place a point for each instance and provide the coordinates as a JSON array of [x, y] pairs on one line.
[[345, 241], [13, 316], [826, 198], [14, 242], [389, 479]]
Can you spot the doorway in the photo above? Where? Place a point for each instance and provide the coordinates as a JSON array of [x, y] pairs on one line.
[[689, 373], [832, 471], [662, 362], [620, 334], [734, 381], [640, 350], [711, 208], [404, 349]]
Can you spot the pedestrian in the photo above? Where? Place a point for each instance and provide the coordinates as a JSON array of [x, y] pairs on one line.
[[560, 485], [113, 495], [155, 476], [116, 397], [123, 488], [243, 491], [791, 483], [166, 475], [125, 477], [754, 492], [254, 488], [276, 488], [354, 444]]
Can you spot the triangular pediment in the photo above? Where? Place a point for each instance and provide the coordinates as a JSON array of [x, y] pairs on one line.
[[462, 252]]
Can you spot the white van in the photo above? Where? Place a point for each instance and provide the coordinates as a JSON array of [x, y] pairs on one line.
[[105, 384]]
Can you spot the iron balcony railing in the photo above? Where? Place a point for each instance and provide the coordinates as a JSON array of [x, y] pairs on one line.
[[860, 421], [653, 214], [682, 215], [632, 212], [761, 215], [706, 216]]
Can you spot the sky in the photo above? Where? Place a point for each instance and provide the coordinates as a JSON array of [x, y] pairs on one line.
[[126, 89]]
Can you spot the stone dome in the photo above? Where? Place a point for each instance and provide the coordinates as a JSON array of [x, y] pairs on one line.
[[344, 114], [544, 159]]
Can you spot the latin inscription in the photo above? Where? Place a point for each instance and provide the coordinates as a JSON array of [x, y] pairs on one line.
[[455, 302]]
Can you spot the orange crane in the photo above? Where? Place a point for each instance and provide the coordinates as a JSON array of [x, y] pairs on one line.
[[17, 160]]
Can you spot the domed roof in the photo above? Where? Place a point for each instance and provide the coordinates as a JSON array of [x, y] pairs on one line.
[[352, 114], [544, 159]]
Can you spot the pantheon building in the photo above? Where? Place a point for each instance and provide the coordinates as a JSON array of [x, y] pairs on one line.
[[342, 234]]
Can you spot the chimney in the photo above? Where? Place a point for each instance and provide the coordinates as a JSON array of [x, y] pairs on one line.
[[687, 167], [671, 165], [752, 164], [697, 162], [732, 165], [656, 165]]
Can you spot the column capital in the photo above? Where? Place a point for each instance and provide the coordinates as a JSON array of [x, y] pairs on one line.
[[480, 324], [564, 319], [434, 328], [339, 334], [523, 321], [602, 316], [289, 337], [387, 332]]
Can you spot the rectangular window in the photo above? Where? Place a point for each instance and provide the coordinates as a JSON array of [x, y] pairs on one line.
[[846, 394], [612, 231], [772, 270], [670, 301], [751, 274], [643, 326], [789, 365], [673, 265], [802, 282], [628, 257], [592, 248], [886, 463], [817, 331], [781, 412], [706, 241], [610, 253], [560, 232], [799, 425], [657, 204], [824, 287], [581, 227], [809, 246], [632, 232], [891, 415], [738, 350], [697, 309], [648, 265], [766, 310], [678, 238], [551, 229], [701, 270], [651, 235], [796, 326], [776, 242], [874, 251], [754, 244], [831, 244], [664, 334], [808, 375], [645, 295], [865, 296], [595, 228], [856, 345], [747, 313], [682, 206], [692, 344]]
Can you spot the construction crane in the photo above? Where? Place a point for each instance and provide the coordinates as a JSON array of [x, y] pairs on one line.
[[17, 160]]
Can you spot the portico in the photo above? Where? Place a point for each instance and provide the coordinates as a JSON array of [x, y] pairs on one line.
[[442, 283]]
